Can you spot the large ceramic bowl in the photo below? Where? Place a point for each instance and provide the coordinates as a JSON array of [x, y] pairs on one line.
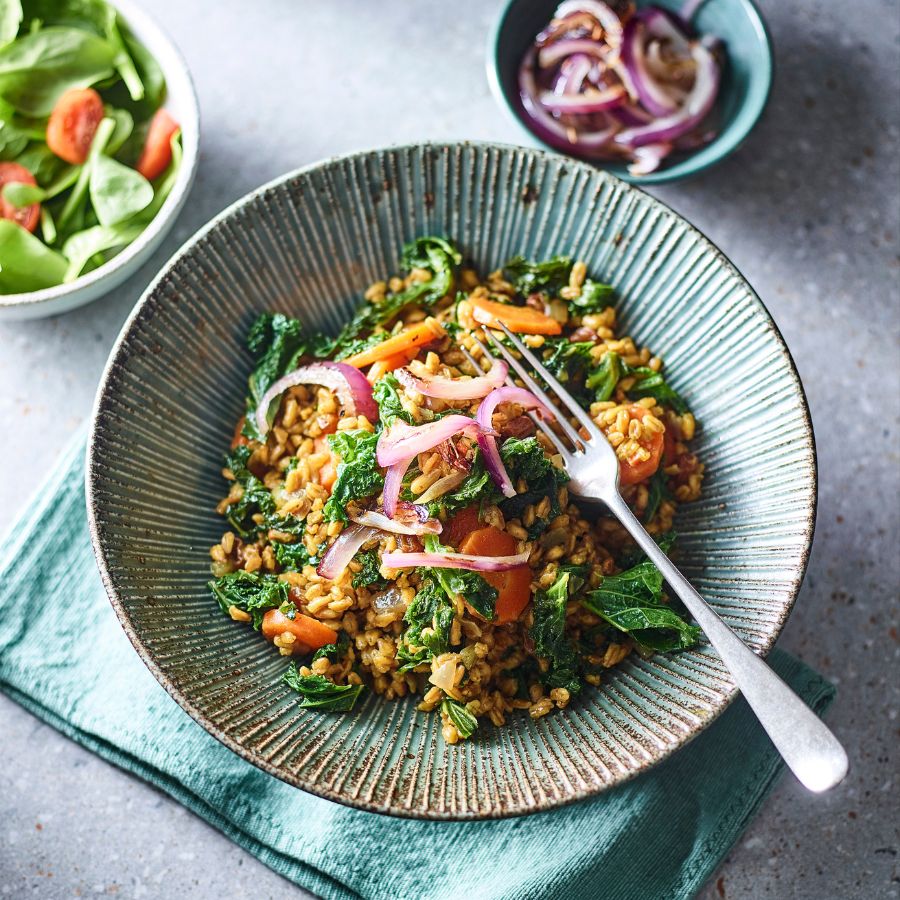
[[308, 244], [181, 101], [746, 81]]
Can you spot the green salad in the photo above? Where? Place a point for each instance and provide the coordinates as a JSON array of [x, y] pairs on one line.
[[88, 155]]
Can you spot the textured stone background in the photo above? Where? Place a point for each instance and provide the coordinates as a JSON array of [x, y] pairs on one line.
[[809, 210]]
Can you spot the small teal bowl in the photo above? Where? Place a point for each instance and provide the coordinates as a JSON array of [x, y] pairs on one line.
[[745, 86]]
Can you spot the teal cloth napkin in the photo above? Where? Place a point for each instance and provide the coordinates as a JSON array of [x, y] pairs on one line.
[[659, 836]]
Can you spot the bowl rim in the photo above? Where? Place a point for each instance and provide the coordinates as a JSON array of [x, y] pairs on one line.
[[121, 351], [143, 23], [685, 168]]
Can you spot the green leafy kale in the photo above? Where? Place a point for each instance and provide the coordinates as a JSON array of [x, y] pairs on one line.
[[632, 602], [320, 693], [476, 487], [249, 592], [428, 619], [525, 458], [549, 631], [480, 595], [602, 379], [387, 396], [465, 722], [530, 277], [293, 557], [652, 384], [357, 345], [334, 652], [357, 472], [657, 491], [277, 343], [594, 297], [572, 363], [255, 499], [369, 576], [437, 255]]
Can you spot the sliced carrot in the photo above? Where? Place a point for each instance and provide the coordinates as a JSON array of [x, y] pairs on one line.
[[328, 472], [310, 633], [383, 366], [519, 319], [513, 586], [633, 470], [408, 342], [238, 439], [461, 524], [157, 152]]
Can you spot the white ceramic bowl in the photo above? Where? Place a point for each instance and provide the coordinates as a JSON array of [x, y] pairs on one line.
[[181, 101]]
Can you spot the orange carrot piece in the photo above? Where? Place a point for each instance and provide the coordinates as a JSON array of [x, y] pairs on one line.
[[408, 342], [519, 319]]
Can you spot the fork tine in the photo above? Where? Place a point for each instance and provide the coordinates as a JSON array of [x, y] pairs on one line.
[[577, 440], [552, 436], [562, 394]]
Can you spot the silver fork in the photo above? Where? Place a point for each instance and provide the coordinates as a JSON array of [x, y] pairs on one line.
[[811, 751]]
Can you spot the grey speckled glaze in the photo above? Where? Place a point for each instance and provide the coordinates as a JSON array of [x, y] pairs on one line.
[[308, 244]]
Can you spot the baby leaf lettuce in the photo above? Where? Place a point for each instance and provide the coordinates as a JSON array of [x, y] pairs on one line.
[[320, 693], [250, 592]]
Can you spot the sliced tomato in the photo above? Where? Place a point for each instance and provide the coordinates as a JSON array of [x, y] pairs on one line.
[[73, 123], [460, 525], [631, 471], [513, 586], [157, 152], [328, 472], [26, 216], [310, 633]]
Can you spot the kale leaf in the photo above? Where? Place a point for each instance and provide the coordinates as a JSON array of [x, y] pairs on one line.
[[525, 458], [256, 498], [465, 722], [549, 631], [529, 277], [334, 652], [603, 378], [277, 343], [432, 612], [293, 557], [594, 297], [320, 693], [480, 595], [369, 576], [357, 345], [652, 384], [249, 592], [476, 487], [435, 254], [357, 472], [657, 491], [387, 396], [632, 602]]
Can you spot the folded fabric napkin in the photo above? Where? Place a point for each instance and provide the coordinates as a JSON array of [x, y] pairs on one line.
[[659, 836]]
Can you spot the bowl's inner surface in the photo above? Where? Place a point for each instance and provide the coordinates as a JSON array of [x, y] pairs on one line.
[[309, 246], [742, 94]]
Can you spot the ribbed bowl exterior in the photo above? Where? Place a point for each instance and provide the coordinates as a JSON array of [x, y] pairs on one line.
[[308, 244]]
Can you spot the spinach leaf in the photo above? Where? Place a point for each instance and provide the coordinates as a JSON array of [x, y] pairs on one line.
[[334, 652], [369, 576], [117, 192], [428, 619], [10, 17], [81, 247], [320, 693], [13, 141], [249, 592], [549, 634], [73, 210], [358, 476], [594, 297], [255, 500], [632, 602], [525, 458], [530, 277], [437, 255], [466, 724], [471, 586], [26, 263], [37, 68], [652, 384], [147, 67], [387, 396]]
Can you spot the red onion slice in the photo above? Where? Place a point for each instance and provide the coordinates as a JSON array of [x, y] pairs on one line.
[[471, 563], [562, 50], [492, 461], [572, 73], [402, 442], [455, 388], [343, 550], [605, 15], [588, 102], [650, 92], [696, 107], [410, 525], [393, 481], [353, 391], [648, 158]]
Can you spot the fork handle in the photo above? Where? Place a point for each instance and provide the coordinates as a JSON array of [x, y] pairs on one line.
[[810, 750]]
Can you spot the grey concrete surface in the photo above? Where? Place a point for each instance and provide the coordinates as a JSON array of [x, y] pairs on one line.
[[809, 210]]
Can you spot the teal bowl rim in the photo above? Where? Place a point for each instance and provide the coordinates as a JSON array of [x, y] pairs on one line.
[[122, 351], [686, 167]]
